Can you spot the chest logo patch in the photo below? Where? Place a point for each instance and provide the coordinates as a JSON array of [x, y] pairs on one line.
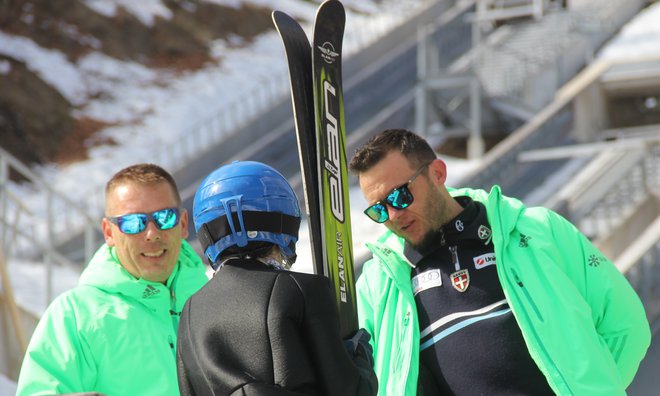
[[460, 280], [485, 234], [484, 260], [149, 291], [426, 280]]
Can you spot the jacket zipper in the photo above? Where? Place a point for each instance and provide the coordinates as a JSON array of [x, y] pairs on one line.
[[526, 293], [549, 365], [401, 354]]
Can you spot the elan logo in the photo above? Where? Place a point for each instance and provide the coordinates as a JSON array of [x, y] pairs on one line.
[[333, 162]]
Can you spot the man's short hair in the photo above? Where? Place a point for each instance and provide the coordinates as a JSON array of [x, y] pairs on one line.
[[415, 148], [143, 174]]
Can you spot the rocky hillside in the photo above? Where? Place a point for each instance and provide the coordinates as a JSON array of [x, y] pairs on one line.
[[38, 124]]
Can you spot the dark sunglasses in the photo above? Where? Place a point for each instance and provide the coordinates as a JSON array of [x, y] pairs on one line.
[[135, 223], [399, 198]]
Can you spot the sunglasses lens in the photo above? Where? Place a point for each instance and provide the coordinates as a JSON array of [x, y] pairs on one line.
[[132, 223], [377, 213], [135, 223], [166, 218], [400, 198]]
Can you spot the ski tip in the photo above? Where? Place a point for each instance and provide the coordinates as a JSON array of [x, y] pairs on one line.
[[277, 15], [333, 9], [281, 18], [332, 5]]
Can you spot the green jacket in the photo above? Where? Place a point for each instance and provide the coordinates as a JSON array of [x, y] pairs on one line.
[[583, 323], [113, 334]]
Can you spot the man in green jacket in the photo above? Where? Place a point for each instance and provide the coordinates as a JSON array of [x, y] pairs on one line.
[[115, 333], [470, 292]]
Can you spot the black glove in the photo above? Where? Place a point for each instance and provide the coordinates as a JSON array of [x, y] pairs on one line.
[[358, 347]]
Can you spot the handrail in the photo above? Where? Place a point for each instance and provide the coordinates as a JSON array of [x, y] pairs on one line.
[[55, 200], [14, 314]]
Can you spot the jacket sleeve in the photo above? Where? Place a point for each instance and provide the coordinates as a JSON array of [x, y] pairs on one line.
[[339, 373], [183, 354], [365, 308], [58, 358], [617, 312], [366, 319]]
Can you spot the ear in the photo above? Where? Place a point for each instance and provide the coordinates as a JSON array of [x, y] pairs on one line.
[[106, 225], [438, 171], [184, 223]]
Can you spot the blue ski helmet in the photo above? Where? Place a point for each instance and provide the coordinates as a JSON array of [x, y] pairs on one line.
[[243, 202]]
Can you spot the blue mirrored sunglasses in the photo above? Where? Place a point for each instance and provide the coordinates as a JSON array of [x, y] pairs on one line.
[[399, 198], [135, 223]]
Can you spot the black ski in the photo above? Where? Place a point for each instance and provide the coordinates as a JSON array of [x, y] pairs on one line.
[[299, 57], [317, 96]]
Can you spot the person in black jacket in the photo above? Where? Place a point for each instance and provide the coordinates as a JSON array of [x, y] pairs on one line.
[[257, 328]]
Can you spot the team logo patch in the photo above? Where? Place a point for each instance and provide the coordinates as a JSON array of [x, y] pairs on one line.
[[484, 234], [484, 260], [460, 280], [426, 280]]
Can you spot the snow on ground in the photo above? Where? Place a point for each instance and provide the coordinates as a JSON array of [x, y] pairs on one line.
[[155, 109]]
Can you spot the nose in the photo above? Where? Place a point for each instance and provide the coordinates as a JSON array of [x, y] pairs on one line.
[[152, 233], [393, 213]]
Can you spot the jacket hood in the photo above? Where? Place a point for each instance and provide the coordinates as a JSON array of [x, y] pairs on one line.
[[106, 273]]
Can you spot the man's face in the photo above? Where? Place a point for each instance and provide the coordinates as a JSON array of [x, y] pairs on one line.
[[152, 253], [426, 213]]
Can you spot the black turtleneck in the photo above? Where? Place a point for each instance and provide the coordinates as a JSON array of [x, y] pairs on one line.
[[470, 341]]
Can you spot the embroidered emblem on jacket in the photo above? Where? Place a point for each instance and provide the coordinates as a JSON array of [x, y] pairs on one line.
[[595, 260], [149, 291], [460, 280], [484, 234], [524, 239]]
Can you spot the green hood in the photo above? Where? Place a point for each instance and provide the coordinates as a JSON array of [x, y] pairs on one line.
[[113, 333], [104, 272]]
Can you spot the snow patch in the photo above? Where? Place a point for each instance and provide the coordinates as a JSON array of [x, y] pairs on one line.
[[145, 11]]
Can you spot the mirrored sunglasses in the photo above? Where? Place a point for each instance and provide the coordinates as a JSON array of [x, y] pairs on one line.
[[399, 198], [135, 223]]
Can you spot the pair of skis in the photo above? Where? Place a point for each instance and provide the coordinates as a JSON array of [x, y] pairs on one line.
[[318, 108]]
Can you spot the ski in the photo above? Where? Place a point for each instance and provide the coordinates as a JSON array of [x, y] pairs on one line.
[[299, 58], [317, 96], [332, 159]]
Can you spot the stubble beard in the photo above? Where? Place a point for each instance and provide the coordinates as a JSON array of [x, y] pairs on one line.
[[437, 214]]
